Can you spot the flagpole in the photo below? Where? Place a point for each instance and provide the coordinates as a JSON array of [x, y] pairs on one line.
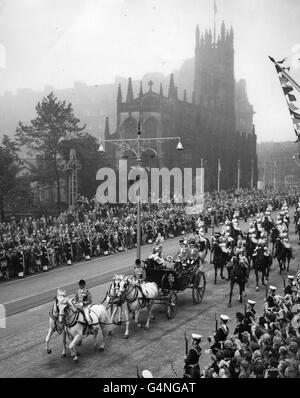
[[252, 174], [274, 180], [238, 184], [219, 167], [286, 75]]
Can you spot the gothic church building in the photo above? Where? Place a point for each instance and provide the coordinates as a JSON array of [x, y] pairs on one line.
[[216, 124]]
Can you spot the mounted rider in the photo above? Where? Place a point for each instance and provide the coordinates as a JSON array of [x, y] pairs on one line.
[[261, 244], [83, 301]]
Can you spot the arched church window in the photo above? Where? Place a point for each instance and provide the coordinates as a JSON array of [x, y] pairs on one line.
[[150, 127], [129, 127]]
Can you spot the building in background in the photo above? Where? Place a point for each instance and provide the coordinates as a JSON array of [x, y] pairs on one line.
[[217, 123], [276, 165], [201, 102]]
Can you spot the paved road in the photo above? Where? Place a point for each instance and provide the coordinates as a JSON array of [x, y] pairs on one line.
[[22, 352]]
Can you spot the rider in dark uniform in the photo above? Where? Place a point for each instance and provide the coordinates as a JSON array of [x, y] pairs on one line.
[[221, 335], [250, 315], [191, 362]]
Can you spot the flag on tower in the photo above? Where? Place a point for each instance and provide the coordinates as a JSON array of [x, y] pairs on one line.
[[219, 165]]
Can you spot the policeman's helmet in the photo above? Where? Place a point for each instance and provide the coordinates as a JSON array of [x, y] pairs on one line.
[[81, 282], [137, 261]]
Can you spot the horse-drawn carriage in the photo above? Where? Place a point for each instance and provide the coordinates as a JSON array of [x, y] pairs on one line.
[[173, 277]]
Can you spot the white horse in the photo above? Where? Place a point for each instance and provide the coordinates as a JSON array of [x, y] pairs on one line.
[[137, 296], [112, 302], [55, 325], [76, 326]]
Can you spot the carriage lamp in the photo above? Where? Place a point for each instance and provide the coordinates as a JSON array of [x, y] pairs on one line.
[[101, 149], [179, 146]]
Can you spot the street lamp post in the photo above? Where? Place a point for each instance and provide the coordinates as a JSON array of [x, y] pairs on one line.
[[238, 184], [274, 176], [138, 146], [252, 173]]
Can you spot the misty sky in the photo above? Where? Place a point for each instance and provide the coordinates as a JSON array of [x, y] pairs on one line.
[[57, 42]]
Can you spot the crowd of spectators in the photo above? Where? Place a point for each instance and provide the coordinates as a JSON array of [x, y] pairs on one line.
[[266, 346], [92, 229]]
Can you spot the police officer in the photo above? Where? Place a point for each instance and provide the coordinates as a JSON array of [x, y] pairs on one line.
[[250, 315], [270, 302], [191, 361], [83, 299], [221, 335]]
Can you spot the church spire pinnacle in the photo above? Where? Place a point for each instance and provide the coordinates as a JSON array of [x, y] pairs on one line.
[[119, 97], [129, 91], [171, 93], [197, 37], [106, 131], [141, 89]]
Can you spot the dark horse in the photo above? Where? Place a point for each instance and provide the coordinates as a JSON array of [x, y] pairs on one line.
[[262, 263], [283, 254], [274, 235], [250, 247], [238, 273], [219, 260]]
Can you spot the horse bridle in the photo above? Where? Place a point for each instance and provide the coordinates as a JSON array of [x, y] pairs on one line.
[[124, 293]]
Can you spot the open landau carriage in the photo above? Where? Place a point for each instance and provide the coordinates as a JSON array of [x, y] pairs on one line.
[[175, 277]]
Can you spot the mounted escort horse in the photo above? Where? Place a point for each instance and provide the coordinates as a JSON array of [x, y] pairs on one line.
[[76, 326], [274, 235], [251, 242], [283, 252], [262, 261], [136, 296], [220, 257], [238, 274]]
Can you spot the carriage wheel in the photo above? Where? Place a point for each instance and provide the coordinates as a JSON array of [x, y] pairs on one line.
[[199, 284], [171, 306]]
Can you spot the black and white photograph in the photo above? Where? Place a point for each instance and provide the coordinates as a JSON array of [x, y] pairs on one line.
[[149, 191]]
